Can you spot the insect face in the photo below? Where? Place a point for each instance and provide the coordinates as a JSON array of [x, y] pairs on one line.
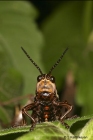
[[46, 88]]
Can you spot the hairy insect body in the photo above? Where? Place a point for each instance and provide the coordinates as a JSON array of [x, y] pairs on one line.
[[46, 93], [48, 113], [44, 113], [46, 105]]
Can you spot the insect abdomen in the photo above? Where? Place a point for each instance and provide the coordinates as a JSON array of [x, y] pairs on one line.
[[46, 113]]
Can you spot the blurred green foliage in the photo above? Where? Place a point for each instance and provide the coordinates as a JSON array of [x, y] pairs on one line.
[[69, 25], [17, 28]]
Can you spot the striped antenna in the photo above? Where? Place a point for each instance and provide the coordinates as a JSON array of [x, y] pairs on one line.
[[32, 60], [57, 61]]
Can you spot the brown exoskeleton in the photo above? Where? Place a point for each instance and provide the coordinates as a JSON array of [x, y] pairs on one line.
[[46, 105]]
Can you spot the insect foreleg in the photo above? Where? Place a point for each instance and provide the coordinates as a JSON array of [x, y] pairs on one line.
[[68, 106], [24, 112]]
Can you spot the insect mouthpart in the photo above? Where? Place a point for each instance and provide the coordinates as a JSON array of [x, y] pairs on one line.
[[46, 94]]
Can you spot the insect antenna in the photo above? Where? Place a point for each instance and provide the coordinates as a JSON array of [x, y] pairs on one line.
[[57, 62], [32, 60]]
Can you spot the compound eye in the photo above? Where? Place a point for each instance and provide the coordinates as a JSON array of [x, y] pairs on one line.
[[39, 78], [52, 79]]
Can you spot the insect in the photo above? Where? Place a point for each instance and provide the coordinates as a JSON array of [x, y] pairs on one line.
[[46, 106]]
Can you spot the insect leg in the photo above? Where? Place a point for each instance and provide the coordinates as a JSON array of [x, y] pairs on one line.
[[73, 117], [24, 112], [68, 106]]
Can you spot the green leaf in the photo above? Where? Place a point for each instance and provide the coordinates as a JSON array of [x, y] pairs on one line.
[[70, 121], [46, 130], [4, 116], [87, 131], [10, 83], [18, 28], [42, 131]]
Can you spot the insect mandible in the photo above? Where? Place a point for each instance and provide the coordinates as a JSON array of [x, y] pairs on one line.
[[46, 106]]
